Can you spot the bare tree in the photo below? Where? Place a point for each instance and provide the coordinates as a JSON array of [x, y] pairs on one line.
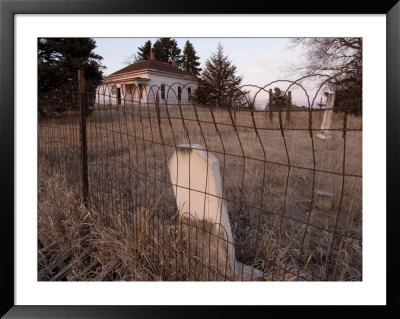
[[339, 57], [133, 58]]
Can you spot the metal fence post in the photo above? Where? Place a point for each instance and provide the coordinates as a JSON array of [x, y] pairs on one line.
[[84, 157]]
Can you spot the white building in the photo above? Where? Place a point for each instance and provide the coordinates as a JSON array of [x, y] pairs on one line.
[[143, 81]]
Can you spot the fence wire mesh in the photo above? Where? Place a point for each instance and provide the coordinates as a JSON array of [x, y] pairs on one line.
[[294, 201]]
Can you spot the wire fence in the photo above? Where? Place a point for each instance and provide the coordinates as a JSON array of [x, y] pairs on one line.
[[294, 200]]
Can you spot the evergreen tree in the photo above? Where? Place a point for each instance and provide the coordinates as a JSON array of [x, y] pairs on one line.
[[60, 58], [144, 51], [166, 50], [348, 95], [190, 61], [49, 74], [142, 54], [278, 100], [219, 86]]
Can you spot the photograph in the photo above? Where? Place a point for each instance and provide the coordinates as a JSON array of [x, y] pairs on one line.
[[200, 159], [176, 160]]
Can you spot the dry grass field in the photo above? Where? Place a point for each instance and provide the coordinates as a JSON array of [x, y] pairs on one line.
[[274, 173]]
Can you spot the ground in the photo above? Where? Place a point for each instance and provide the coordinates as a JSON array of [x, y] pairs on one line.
[[273, 174]]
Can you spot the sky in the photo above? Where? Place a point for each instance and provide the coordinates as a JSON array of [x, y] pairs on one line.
[[259, 60]]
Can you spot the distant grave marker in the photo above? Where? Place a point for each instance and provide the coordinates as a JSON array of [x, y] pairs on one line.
[[325, 132]]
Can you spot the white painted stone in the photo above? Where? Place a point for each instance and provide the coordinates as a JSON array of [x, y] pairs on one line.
[[197, 184], [325, 132]]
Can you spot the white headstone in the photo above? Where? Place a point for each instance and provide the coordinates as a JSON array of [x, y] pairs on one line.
[[325, 132], [197, 184]]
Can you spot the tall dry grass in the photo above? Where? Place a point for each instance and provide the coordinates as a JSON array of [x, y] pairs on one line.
[[76, 243], [79, 244]]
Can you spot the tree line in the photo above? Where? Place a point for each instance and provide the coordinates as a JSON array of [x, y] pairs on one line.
[[166, 50], [218, 83], [59, 60]]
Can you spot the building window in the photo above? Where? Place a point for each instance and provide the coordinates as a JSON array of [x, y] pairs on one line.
[[179, 93], [163, 91], [189, 94]]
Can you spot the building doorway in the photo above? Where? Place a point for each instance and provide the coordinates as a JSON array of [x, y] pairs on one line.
[[119, 96]]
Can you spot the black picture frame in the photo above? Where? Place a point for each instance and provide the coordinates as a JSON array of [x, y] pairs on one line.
[[8, 10]]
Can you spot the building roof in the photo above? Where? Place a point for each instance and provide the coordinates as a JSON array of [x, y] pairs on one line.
[[148, 65]]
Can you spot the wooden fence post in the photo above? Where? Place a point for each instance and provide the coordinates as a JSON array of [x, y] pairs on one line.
[[84, 156], [271, 103], [288, 105]]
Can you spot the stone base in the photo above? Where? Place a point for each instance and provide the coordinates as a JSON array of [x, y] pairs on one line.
[[324, 135], [324, 201], [208, 250], [246, 273]]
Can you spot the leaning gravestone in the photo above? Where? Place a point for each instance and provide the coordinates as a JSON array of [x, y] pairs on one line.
[[197, 184], [325, 132]]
